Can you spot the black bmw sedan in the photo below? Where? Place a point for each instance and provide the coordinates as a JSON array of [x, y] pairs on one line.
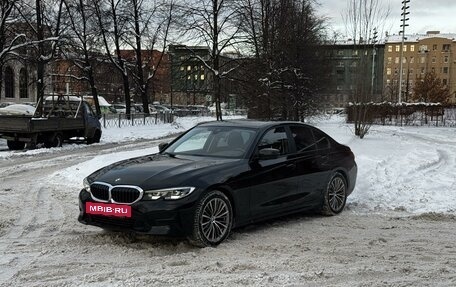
[[221, 175]]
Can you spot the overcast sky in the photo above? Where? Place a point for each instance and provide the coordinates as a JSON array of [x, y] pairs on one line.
[[425, 15]]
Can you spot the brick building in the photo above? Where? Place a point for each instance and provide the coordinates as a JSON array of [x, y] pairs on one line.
[[422, 53]]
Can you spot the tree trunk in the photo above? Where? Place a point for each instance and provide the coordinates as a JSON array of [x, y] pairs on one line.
[[40, 60], [139, 62]]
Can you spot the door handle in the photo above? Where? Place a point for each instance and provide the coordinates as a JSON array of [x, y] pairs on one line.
[[291, 166]]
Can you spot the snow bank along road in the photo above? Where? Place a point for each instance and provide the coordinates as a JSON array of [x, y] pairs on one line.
[[398, 228]]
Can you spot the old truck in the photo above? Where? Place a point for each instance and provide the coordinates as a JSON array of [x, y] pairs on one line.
[[62, 118]]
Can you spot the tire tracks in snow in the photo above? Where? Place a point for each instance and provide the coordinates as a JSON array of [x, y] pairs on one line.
[[38, 214]]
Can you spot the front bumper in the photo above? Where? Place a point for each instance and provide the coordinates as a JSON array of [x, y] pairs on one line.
[[160, 217]]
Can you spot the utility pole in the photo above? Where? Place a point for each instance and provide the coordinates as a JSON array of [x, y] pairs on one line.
[[403, 25], [374, 51]]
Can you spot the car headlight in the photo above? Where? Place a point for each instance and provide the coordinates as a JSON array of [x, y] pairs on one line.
[[168, 193], [86, 184]]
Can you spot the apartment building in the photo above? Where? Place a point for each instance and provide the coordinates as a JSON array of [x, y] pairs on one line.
[[344, 59], [421, 54]]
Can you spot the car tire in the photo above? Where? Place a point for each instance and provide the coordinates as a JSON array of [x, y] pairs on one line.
[[15, 145], [335, 195], [212, 221], [95, 139], [54, 141]]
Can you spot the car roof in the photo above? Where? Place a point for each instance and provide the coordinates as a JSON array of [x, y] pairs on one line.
[[255, 124]]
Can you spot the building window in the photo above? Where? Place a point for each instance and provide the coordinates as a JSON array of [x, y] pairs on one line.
[[388, 82], [339, 88], [445, 70], [444, 81], [433, 59], [396, 60], [446, 47], [182, 68], [412, 48], [423, 60], [23, 84], [433, 69], [398, 48], [340, 52], [340, 64], [355, 52], [388, 71], [405, 48], [390, 60], [9, 83], [412, 60], [354, 64], [390, 48], [445, 59], [189, 68], [422, 70], [404, 60], [411, 71], [434, 47]]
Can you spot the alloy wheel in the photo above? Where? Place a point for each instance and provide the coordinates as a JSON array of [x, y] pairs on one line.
[[215, 220], [336, 194]]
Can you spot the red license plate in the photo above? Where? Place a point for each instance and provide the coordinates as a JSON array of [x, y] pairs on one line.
[[108, 209]]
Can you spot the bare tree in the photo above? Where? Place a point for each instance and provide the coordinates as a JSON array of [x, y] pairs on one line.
[[431, 89], [151, 23], [47, 27], [213, 23], [83, 43], [361, 18], [111, 17], [7, 43]]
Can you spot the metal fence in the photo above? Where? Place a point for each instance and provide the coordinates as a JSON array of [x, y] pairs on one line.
[[135, 119], [406, 115]]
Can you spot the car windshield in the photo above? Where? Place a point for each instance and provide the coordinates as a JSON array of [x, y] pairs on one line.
[[228, 142]]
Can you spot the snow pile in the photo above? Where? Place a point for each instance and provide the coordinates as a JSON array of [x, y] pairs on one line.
[[18, 110], [402, 168]]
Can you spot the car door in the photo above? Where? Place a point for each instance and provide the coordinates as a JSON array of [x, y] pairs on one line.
[[307, 160], [273, 182], [323, 163]]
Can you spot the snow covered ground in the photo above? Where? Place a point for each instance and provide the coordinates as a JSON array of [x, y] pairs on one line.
[[397, 230]]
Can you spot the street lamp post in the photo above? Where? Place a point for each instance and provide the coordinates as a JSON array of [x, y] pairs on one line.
[[403, 25]]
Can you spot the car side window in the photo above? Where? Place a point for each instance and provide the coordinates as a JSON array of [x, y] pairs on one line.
[[275, 138], [321, 139], [303, 138]]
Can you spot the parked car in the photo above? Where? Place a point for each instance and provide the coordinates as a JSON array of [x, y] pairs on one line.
[[221, 175], [134, 108], [120, 108]]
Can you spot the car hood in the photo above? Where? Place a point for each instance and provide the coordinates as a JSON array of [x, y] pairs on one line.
[[158, 171]]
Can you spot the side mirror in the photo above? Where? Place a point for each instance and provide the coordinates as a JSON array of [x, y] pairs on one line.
[[162, 146], [268, 153]]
